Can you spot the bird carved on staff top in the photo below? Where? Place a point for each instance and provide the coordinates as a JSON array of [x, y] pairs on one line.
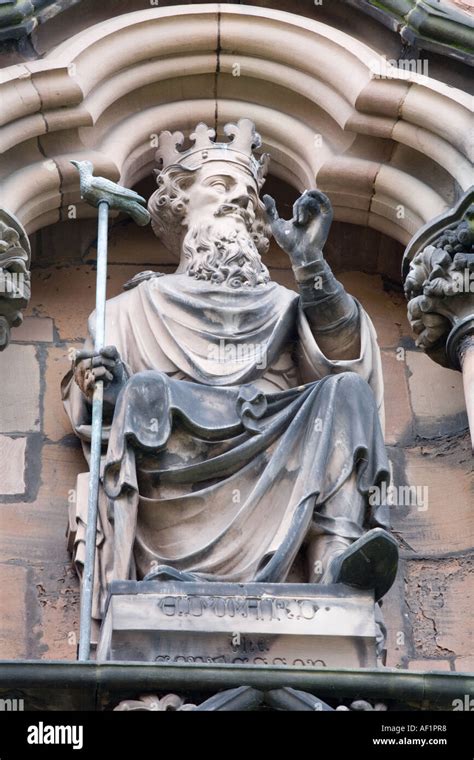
[[97, 189]]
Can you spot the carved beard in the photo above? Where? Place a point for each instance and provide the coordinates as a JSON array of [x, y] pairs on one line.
[[223, 256]]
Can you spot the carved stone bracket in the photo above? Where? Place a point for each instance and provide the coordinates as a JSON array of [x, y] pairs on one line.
[[15, 255], [153, 703], [439, 284], [245, 698]]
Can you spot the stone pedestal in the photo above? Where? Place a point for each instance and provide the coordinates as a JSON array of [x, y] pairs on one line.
[[288, 624]]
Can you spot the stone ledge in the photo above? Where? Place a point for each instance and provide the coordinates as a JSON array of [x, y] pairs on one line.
[[63, 685]]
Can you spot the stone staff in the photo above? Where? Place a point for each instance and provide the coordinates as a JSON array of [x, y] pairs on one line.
[[105, 195]]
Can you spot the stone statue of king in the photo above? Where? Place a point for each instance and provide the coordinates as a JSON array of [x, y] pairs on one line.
[[242, 420]]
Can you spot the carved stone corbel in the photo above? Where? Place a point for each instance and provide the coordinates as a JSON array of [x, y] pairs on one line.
[[15, 285], [438, 267], [152, 703], [245, 698]]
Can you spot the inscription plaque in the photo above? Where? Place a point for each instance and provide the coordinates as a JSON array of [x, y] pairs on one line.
[[299, 625]]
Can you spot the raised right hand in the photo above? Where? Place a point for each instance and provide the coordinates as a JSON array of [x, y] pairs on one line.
[[303, 236]]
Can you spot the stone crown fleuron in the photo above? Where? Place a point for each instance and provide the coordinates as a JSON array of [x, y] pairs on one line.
[[243, 141]]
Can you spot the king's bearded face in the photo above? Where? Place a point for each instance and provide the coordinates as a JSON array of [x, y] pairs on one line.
[[218, 245], [223, 226]]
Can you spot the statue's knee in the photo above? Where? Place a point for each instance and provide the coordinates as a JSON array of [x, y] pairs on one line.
[[352, 380], [146, 377], [344, 380], [347, 385], [146, 404], [146, 383]]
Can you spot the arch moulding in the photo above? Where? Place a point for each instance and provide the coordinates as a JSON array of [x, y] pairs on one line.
[[390, 147]]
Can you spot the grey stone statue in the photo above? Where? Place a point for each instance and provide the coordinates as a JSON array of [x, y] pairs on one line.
[[242, 425]]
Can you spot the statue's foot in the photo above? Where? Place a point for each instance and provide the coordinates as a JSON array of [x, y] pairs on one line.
[[168, 573], [369, 563]]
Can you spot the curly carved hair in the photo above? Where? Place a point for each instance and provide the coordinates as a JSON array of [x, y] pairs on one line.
[[168, 208]]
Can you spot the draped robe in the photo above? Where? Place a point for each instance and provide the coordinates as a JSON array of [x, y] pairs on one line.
[[232, 437]]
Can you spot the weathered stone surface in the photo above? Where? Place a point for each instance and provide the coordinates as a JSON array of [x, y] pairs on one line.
[[436, 395], [34, 330], [429, 665], [440, 519], [452, 636], [14, 609], [464, 664], [396, 618], [387, 311], [29, 534], [439, 596], [279, 624], [12, 465], [398, 414], [52, 290], [35, 532], [57, 592], [147, 250], [20, 390]]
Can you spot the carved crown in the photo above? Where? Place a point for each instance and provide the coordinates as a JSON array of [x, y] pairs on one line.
[[243, 141]]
